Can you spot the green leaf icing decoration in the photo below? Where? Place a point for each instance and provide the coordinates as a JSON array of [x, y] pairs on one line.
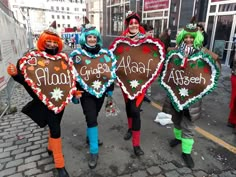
[[200, 63]]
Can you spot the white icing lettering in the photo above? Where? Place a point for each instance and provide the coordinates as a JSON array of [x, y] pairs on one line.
[[101, 68], [44, 78], [130, 67], [177, 76]]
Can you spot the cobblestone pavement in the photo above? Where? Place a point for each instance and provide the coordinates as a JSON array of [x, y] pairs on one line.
[[23, 153]]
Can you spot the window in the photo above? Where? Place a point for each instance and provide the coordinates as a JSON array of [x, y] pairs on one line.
[[62, 8], [67, 8], [57, 8], [68, 17], [58, 16], [68, 25], [116, 20], [58, 25], [53, 17], [52, 8], [63, 17]]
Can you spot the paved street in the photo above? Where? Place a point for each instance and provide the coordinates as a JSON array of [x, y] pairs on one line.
[[23, 144]]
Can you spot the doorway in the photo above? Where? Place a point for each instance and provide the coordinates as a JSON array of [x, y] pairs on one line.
[[221, 30], [159, 26]]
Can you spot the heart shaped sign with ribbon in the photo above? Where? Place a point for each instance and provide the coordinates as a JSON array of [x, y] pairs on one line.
[[95, 73], [186, 85], [51, 77], [138, 63]]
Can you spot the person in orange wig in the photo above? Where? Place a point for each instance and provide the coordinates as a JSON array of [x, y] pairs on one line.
[[49, 42]]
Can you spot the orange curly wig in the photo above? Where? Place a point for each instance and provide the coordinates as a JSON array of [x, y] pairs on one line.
[[49, 36]]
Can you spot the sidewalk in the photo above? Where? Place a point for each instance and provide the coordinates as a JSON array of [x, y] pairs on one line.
[[23, 146]]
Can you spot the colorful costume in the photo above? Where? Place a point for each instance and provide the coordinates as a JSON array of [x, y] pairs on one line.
[[41, 109], [96, 84], [184, 78], [139, 54], [232, 114]]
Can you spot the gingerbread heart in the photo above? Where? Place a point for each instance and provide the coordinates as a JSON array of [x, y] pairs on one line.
[[186, 85], [138, 63], [94, 72], [53, 88], [32, 61]]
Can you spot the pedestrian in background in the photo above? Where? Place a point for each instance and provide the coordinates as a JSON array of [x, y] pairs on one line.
[[149, 32], [72, 40], [232, 105], [91, 46], [201, 29], [165, 38]]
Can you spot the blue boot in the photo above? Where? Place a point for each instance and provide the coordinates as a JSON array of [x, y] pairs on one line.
[[93, 146]]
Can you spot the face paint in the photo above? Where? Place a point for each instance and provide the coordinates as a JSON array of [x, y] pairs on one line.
[[133, 26]]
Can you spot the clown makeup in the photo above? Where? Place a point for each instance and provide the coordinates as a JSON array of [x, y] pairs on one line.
[[133, 26], [188, 40], [49, 44], [91, 40]]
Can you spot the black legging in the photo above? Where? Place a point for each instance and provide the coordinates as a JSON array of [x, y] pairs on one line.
[[91, 106], [54, 123], [133, 112]]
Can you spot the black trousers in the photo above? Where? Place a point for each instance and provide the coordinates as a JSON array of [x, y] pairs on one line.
[[133, 112], [91, 106], [54, 123]]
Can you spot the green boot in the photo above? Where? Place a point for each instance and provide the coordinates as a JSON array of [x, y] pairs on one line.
[[177, 140], [187, 146]]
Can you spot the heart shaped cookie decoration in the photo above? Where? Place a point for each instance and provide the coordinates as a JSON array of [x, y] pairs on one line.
[[54, 82], [187, 85], [95, 73], [138, 63]]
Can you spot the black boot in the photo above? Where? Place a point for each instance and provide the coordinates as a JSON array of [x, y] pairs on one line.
[[174, 142], [93, 159], [230, 125], [128, 134], [62, 172], [146, 99], [100, 143], [138, 151], [188, 160], [49, 152]]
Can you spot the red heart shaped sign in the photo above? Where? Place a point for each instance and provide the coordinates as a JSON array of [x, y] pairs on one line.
[[51, 77], [138, 63]]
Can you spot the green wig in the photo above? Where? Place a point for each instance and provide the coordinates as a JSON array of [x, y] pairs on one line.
[[192, 30], [90, 31], [197, 35]]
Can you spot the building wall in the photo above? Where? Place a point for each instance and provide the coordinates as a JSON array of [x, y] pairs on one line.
[[67, 13], [94, 13]]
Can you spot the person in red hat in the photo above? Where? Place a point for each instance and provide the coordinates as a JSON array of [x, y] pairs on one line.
[[135, 32], [49, 42]]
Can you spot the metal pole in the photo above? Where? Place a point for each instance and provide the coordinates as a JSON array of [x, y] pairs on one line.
[[30, 38]]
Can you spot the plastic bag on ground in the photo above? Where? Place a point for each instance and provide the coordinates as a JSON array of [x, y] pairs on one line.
[[163, 118]]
